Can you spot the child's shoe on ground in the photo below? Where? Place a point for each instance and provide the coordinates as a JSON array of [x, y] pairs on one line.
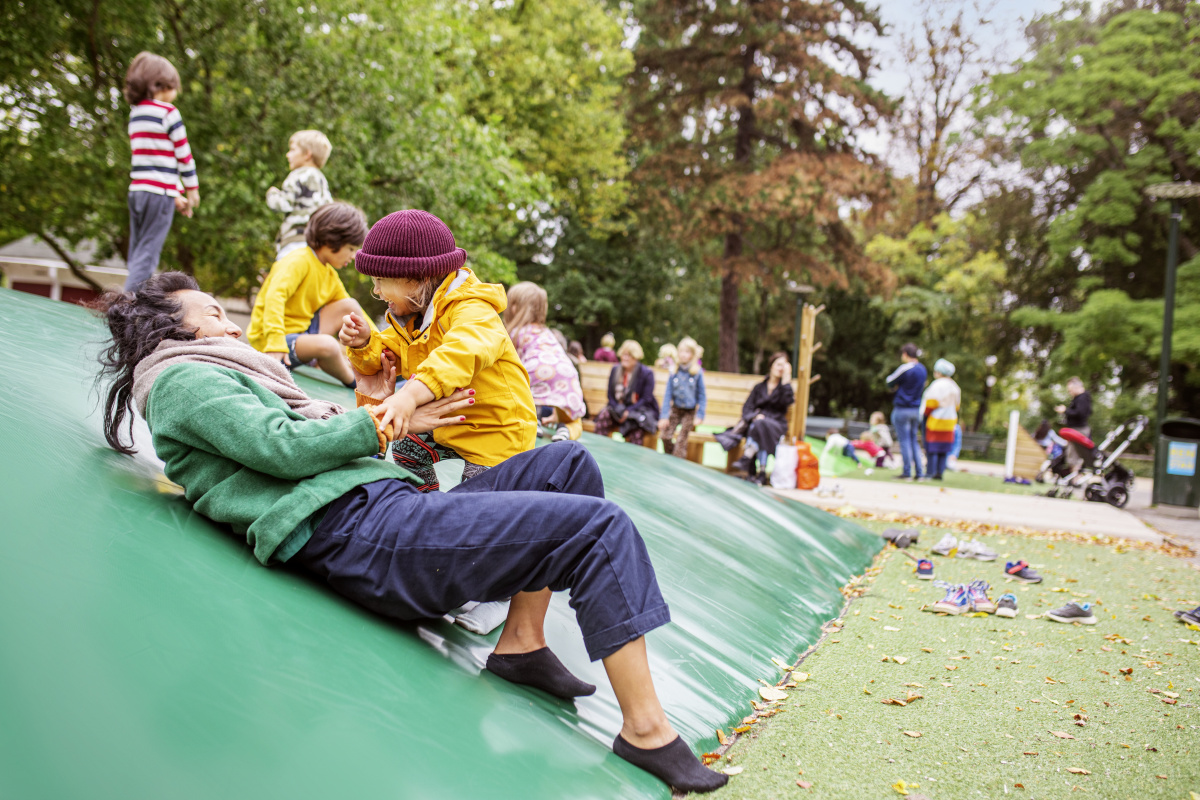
[[1021, 571], [979, 599], [925, 570], [976, 550], [1007, 606], [1073, 611], [947, 545], [1190, 617], [561, 433], [902, 537], [956, 601]]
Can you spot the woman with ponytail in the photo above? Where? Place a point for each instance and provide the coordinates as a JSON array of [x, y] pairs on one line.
[[296, 477]]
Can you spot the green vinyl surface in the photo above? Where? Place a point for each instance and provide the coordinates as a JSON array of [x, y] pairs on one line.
[[145, 654]]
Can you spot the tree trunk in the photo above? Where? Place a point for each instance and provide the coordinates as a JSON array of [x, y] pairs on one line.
[[730, 280], [727, 343], [764, 305], [981, 412]]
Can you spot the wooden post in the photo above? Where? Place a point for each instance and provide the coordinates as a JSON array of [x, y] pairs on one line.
[[804, 376]]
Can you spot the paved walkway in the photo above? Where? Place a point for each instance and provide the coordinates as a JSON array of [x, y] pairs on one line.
[[1043, 513]]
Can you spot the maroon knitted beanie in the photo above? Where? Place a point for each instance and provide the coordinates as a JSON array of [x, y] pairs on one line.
[[409, 244]]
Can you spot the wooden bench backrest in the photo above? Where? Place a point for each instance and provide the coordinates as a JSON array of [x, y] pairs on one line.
[[726, 392]]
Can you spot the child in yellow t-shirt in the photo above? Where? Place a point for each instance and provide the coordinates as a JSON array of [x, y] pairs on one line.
[[446, 332], [302, 301]]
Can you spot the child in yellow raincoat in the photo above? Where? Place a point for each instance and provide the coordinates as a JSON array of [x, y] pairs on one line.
[[446, 332]]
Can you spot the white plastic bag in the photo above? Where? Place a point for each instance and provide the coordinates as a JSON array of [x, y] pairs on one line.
[[787, 458]]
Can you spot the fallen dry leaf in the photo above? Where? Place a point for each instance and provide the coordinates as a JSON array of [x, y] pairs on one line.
[[804, 784], [733, 770], [890, 628], [899, 659], [1062, 734], [771, 693], [722, 739], [800, 677], [913, 734], [893, 702], [1164, 777], [1030, 753], [951, 666], [1126, 670], [915, 685], [742, 729], [1018, 786], [1078, 771], [927, 649]]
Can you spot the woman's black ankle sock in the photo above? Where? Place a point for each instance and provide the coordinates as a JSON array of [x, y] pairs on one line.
[[673, 764], [540, 669]]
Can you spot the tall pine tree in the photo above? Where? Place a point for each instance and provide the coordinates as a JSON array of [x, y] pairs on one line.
[[744, 118]]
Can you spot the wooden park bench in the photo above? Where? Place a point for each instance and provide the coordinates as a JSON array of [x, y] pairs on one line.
[[725, 392]]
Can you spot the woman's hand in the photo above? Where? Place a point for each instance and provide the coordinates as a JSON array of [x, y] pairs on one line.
[[399, 408], [441, 413], [786, 377], [355, 332], [382, 384], [662, 425]]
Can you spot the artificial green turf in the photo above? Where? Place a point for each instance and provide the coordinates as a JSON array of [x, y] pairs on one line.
[[973, 737], [956, 480]]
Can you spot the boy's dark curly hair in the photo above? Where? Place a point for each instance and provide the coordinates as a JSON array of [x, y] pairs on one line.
[[138, 321]]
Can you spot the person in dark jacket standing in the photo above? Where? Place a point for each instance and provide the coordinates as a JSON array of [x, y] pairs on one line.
[[1078, 416], [632, 408], [908, 382], [764, 420]]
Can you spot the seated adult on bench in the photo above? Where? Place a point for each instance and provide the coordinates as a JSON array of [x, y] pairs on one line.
[[296, 477], [764, 420], [632, 408]]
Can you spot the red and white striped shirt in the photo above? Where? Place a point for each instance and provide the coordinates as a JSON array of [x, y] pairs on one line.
[[162, 159]]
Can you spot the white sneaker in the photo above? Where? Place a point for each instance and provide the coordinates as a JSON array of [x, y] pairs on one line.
[[561, 434], [946, 546], [977, 551]]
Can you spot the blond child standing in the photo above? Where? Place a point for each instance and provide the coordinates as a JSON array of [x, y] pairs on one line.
[[445, 330], [302, 301], [684, 397], [161, 165], [553, 379], [304, 189]]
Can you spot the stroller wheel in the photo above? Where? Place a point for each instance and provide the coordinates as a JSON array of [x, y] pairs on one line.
[[1118, 496], [1093, 493]]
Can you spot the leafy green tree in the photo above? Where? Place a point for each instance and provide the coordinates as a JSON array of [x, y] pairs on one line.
[[950, 300], [397, 87], [1103, 107], [743, 117]]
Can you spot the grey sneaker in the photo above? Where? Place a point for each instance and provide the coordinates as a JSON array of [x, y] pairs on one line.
[[1073, 611], [1007, 606], [976, 550], [561, 433], [902, 537], [946, 546], [1189, 617]]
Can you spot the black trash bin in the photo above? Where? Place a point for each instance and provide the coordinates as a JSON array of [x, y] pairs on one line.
[[1176, 478]]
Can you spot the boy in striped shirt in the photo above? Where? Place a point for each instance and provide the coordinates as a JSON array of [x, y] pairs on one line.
[[162, 165]]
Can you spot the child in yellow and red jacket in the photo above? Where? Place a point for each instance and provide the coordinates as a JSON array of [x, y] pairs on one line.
[[446, 333]]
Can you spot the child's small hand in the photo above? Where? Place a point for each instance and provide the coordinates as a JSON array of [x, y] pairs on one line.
[[193, 198], [355, 332], [396, 411], [280, 356], [182, 206]]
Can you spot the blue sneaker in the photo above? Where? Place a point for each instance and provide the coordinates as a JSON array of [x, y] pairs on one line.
[[925, 570], [1007, 606], [1073, 611], [1021, 571], [956, 601], [1189, 617]]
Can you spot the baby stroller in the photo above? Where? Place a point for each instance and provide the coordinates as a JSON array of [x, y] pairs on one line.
[[1102, 478]]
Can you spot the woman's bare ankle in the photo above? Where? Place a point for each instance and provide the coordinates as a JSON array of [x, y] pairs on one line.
[[648, 734], [514, 640]]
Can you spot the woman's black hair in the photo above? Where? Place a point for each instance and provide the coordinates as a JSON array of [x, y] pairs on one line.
[[138, 321], [1042, 431]]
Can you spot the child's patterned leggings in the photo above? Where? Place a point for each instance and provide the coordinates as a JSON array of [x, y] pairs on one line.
[[417, 453]]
